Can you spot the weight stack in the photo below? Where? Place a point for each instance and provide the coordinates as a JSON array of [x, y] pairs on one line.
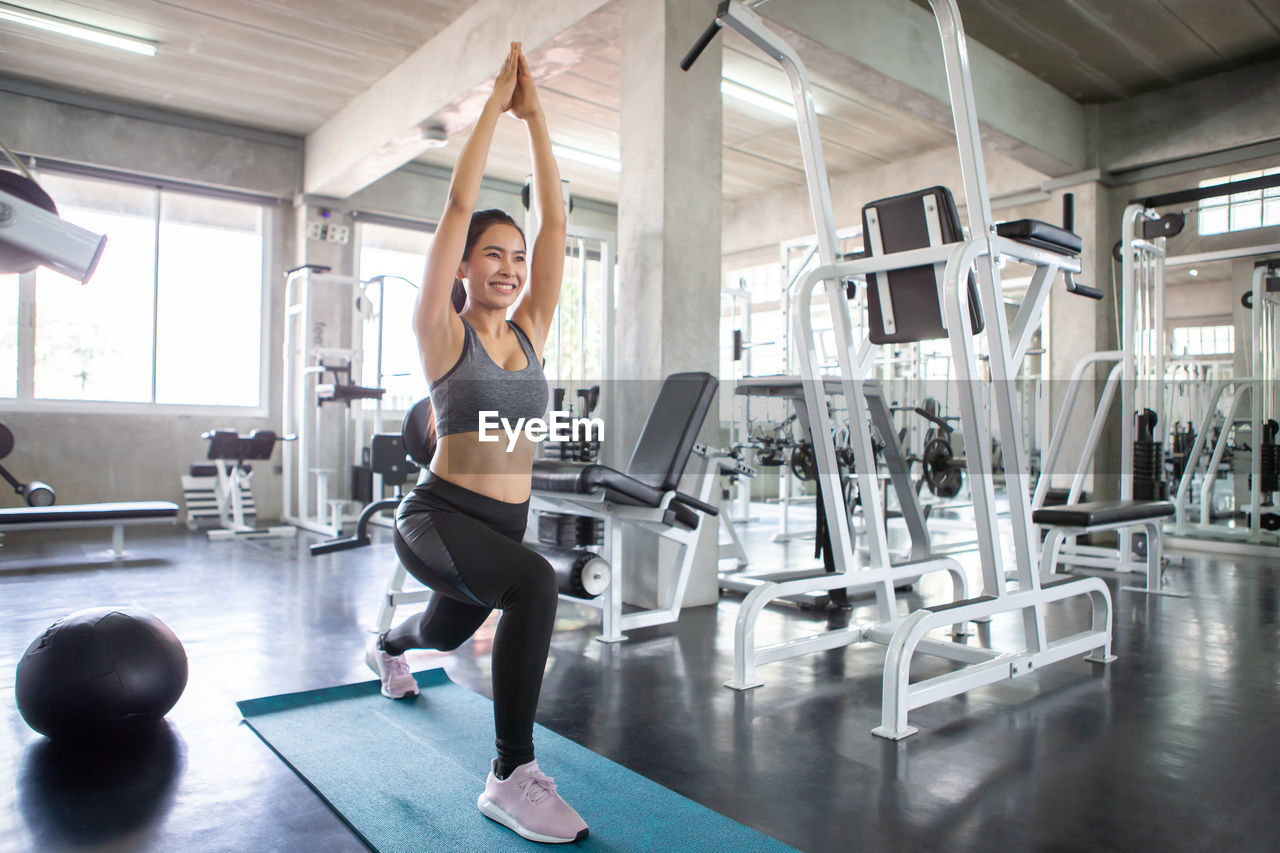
[[569, 531], [1270, 470], [1269, 464], [1148, 462]]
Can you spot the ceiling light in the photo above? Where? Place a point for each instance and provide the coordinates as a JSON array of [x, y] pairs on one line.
[[738, 92], [433, 136], [586, 158], [1193, 273], [62, 26]]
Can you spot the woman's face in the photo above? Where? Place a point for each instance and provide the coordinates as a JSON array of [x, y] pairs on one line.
[[495, 270]]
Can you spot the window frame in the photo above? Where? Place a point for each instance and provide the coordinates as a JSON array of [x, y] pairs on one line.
[[25, 399], [1229, 203]]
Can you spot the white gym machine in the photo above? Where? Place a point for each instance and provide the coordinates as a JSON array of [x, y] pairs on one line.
[[318, 356], [1259, 537], [1138, 371], [953, 264]]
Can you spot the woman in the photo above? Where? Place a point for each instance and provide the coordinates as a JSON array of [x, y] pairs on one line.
[[460, 530]]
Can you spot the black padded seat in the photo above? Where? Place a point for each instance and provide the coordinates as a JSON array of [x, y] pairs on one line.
[[1042, 235], [660, 457], [1097, 513], [587, 478], [55, 515]]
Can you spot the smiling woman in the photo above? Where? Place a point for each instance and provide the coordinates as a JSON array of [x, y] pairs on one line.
[[461, 531]]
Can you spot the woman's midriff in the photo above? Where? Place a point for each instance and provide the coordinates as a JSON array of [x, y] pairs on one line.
[[486, 467]]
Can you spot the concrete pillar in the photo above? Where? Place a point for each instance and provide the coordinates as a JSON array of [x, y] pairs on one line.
[[669, 243], [1077, 327]]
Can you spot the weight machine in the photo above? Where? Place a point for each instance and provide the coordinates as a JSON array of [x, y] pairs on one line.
[[1262, 389], [233, 496], [919, 282], [322, 370], [1138, 372]]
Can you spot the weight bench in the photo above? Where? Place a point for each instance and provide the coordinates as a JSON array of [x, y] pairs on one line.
[[117, 516], [228, 450], [645, 496], [1078, 519]]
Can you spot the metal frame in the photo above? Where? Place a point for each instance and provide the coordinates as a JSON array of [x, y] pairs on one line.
[[1263, 391], [1138, 372], [610, 602], [231, 511], [982, 254], [306, 490], [117, 526]]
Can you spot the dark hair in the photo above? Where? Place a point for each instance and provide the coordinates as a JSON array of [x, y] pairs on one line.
[[481, 221]]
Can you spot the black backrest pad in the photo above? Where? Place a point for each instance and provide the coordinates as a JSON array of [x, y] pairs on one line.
[[913, 292], [663, 450], [414, 432]]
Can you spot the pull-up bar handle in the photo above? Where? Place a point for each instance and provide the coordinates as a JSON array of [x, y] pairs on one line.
[[705, 39]]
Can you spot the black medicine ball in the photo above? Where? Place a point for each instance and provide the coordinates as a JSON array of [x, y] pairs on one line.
[[103, 672]]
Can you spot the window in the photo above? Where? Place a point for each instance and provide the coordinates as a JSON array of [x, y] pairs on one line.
[[756, 289], [573, 355], [1240, 211], [398, 253], [1204, 340], [8, 336], [173, 315]]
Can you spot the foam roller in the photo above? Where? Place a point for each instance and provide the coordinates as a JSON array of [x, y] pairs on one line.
[[579, 573]]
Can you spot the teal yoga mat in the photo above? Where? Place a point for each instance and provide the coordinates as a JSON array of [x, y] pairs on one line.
[[405, 775]]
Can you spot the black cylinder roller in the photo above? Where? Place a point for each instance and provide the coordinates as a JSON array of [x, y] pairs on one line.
[[580, 574]]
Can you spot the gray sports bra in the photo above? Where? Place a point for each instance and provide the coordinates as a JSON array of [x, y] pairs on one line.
[[477, 383]]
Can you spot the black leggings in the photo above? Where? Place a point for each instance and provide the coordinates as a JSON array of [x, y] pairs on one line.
[[467, 548]]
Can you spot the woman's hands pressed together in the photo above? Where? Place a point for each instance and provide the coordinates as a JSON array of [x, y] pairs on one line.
[[504, 87], [524, 101]]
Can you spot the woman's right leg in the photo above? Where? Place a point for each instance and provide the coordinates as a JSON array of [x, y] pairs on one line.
[[446, 624]]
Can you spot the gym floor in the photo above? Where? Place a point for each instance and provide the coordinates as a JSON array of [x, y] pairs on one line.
[[1175, 746]]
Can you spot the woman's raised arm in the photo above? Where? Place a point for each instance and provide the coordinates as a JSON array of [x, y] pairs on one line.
[[538, 303], [434, 314]]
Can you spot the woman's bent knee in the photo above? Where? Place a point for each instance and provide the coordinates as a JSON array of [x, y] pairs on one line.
[[535, 585]]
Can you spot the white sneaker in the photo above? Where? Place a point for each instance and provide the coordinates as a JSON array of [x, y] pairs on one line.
[[393, 670]]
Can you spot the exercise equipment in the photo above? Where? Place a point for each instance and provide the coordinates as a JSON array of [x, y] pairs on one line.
[[943, 469], [644, 497], [945, 310], [921, 553], [117, 516], [34, 493], [342, 740], [231, 454], [384, 463], [321, 384], [1138, 372], [573, 531], [100, 674], [31, 233], [1261, 387]]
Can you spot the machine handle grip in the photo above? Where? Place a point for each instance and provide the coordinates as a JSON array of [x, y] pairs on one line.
[[1085, 290], [701, 506], [1079, 289], [331, 545], [700, 45]]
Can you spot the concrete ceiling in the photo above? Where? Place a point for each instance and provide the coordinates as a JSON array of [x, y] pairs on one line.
[[1098, 51], [291, 66]]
